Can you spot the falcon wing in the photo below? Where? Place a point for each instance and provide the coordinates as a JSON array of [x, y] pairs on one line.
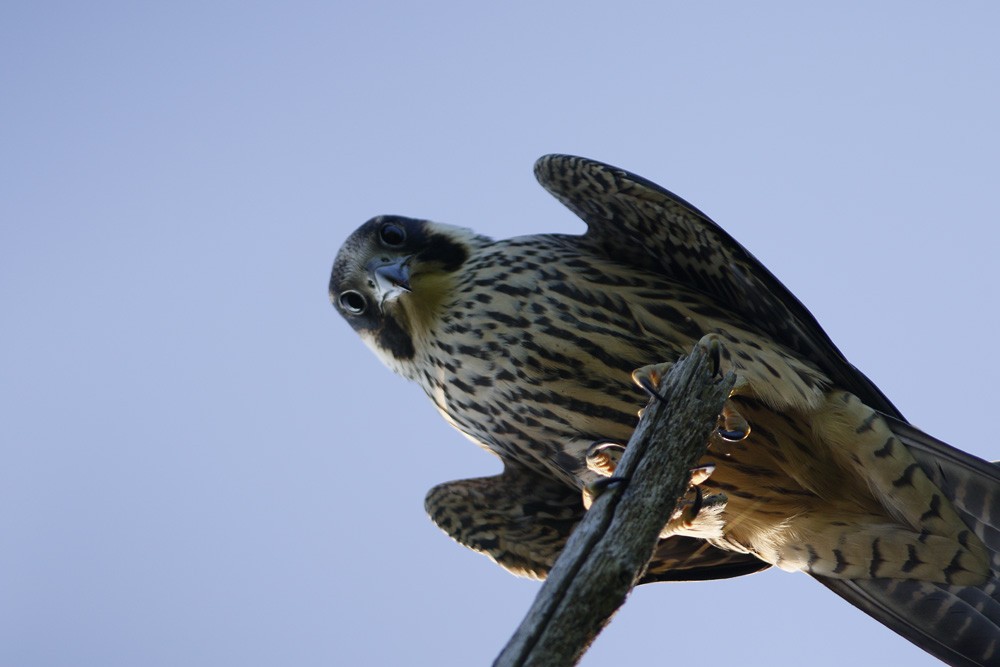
[[681, 558], [522, 520], [636, 222]]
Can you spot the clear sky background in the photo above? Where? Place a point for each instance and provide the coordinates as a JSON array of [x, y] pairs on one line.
[[201, 464]]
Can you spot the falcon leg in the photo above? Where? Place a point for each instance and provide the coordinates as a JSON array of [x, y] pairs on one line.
[[700, 516], [865, 443], [927, 540], [853, 546]]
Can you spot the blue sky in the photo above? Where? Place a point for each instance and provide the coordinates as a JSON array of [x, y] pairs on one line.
[[202, 465]]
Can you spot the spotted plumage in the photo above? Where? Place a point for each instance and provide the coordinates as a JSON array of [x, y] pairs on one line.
[[526, 346]]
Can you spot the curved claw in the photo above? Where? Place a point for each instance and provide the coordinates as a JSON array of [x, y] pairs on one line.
[[602, 457], [648, 377], [713, 348], [599, 486], [692, 512], [701, 473], [734, 427], [650, 389], [733, 436]]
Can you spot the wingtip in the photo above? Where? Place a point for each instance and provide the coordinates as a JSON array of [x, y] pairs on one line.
[[547, 164]]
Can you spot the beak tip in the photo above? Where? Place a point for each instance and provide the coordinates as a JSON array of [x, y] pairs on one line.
[[392, 279]]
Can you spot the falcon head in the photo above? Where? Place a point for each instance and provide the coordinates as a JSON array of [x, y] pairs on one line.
[[392, 278]]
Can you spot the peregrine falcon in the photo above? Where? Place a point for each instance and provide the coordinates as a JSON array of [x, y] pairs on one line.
[[528, 345]]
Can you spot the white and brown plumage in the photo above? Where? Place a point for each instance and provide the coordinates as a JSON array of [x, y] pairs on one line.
[[526, 346]]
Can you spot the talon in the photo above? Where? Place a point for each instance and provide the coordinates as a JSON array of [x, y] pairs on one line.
[[734, 427], [732, 436], [695, 508], [599, 486], [686, 516], [648, 377], [645, 375], [603, 457], [702, 510], [701, 473], [651, 390], [713, 348], [592, 490]]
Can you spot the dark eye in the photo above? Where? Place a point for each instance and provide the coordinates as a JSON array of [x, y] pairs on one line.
[[353, 302], [392, 235]]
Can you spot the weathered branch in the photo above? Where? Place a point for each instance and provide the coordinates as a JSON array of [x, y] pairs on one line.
[[610, 548]]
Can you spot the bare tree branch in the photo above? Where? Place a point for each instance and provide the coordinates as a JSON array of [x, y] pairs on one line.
[[610, 548]]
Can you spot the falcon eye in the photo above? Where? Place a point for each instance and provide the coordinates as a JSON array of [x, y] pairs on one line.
[[392, 235], [353, 302]]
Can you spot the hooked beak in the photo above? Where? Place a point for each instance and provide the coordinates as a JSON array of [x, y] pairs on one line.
[[392, 279]]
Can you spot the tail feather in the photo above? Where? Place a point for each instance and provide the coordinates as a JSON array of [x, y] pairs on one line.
[[958, 624], [972, 484]]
